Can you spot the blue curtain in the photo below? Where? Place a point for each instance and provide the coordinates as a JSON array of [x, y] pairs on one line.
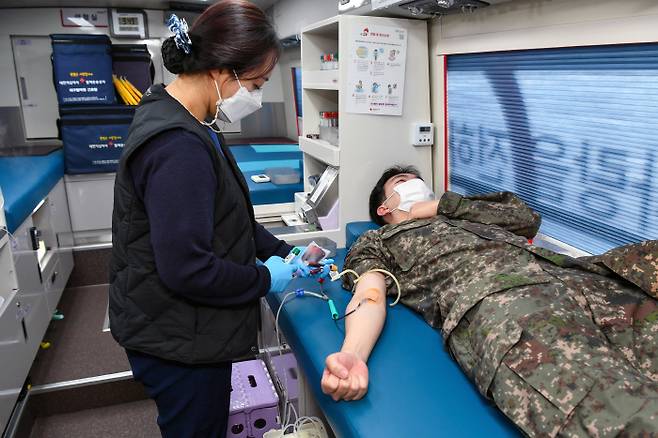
[[573, 131], [297, 85]]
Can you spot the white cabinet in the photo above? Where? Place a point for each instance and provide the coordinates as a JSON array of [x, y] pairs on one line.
[[14, 353], [8, 284], [13, 347], [367, 144], [56, 275], [91, 199], [34, 73], [35, 264], [42, 251]]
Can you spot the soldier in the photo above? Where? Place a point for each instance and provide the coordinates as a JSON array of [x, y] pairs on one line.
[[563, 346]]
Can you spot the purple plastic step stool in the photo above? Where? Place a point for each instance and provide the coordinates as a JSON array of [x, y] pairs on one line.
[[238, 425], [285, 368], [253, 401]]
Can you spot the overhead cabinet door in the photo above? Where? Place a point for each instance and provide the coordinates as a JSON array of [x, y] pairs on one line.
[[34, 75]]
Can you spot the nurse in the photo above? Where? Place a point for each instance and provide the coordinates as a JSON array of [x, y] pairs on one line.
[[184, 283]]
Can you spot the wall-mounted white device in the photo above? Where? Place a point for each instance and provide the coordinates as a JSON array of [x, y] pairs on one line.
[[130, 23], [422, 134]]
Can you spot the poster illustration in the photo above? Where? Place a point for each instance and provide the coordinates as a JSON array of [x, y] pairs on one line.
[[376, 63]]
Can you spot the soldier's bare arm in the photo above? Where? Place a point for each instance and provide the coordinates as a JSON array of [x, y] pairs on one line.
[[504, 209], [346, 373]]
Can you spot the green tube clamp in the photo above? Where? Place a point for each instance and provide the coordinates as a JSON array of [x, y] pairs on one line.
[[332, 309]]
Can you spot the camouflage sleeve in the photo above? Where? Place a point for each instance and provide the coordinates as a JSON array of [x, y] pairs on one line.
[[367, 253], [504, 209], [637, 263]]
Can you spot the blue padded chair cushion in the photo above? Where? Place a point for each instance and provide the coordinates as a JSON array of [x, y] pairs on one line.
[[354, 230], [25, 181], [416, 388]]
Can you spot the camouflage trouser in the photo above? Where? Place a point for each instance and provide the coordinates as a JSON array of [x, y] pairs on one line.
[[551, 362]]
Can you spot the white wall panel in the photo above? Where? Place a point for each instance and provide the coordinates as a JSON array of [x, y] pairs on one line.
[[290, 58], [290, 16]]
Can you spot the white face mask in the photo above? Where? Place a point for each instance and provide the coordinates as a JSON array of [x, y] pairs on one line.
[[238, 106], [410, 192]]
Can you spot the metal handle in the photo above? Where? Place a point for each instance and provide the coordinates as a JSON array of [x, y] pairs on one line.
[[23, 87], [34, 236], [24, 329]]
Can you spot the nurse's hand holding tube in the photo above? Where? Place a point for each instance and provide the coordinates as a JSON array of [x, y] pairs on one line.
[[303, 269]]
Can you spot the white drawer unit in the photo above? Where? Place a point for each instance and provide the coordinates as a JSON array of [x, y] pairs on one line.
[[35, 264], [7, 272], [22, 321], [14, 353]]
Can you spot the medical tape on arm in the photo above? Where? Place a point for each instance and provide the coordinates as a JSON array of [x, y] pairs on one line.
[[395, 280], [359, 277], [371, 294]]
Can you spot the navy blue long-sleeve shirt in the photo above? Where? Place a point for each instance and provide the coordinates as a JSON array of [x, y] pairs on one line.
[[174, 177]]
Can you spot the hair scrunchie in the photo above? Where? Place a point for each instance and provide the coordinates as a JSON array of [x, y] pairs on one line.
[[179, 28]]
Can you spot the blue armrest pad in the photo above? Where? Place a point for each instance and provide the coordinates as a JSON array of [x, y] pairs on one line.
[[254, 159], [25, 181], [416, 388], [354, 230]]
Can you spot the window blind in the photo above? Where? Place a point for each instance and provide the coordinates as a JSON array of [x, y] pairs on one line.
[[573, 131]]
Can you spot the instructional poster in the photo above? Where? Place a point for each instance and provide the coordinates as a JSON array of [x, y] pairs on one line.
[[377, 62]]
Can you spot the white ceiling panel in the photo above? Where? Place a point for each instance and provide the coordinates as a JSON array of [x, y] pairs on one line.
[[136, 4]]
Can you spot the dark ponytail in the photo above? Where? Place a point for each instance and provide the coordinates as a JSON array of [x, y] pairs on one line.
[[231, 34]]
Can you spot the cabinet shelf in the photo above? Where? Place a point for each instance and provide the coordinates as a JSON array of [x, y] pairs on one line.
[[327, 27], [320, 80], [320, 150]]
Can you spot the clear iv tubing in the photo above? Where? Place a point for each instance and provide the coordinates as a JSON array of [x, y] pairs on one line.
[[382, 271], [299, 421]]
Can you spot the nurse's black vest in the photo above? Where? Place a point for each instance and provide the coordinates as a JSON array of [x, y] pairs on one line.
[[144, 314]]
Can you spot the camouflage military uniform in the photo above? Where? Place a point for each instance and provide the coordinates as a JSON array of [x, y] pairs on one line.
[[563, 346]]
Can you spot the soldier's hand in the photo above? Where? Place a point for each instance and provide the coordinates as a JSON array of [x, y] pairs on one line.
[[345, 376]]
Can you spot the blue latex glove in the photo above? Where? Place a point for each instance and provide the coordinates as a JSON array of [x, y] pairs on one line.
[[299, 266], [326, 269], [303, 270], [280, 272]]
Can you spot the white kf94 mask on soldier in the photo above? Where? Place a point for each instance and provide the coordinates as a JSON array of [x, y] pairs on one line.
[[410, 192]]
